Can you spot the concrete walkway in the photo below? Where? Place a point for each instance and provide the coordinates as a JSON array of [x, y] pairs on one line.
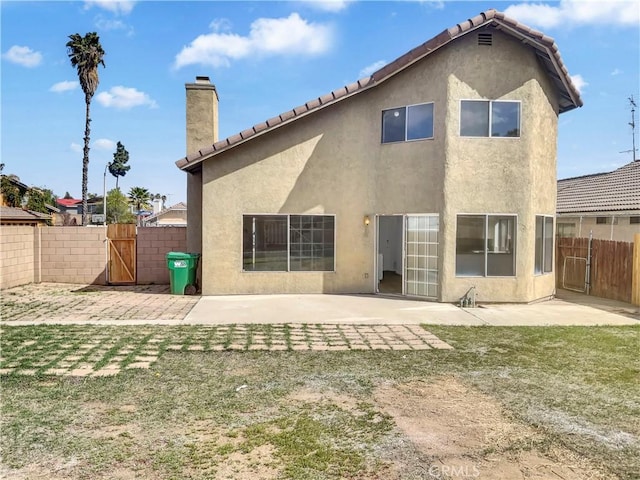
[[153, 304]]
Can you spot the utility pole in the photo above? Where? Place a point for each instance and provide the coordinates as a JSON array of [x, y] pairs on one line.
[[632, 124]]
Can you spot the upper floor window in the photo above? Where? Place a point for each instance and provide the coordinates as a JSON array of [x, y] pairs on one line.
[[489, 118], [403, 124]]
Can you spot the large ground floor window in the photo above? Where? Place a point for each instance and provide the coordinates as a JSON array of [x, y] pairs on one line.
[[485, 245], [288, 243]]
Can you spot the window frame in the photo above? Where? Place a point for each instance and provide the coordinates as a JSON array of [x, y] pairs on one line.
[[288, 236], [542, 268], [406, 123], [514, 244], [490, 120]]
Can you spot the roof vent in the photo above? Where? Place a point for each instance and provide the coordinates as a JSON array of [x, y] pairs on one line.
[[485, 39]]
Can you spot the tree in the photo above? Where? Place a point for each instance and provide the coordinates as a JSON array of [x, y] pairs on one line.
[[140, 198], [39, 199], [119, 167], [118, 208], [67, 196], [86, 54], [11, 194]]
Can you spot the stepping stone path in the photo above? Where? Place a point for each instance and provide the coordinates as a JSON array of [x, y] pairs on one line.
[[106, 351]]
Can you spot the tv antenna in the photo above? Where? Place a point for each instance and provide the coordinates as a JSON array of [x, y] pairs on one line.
[[632, 124]]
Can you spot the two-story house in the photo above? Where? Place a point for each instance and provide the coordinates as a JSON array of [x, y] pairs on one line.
[[433, 176]]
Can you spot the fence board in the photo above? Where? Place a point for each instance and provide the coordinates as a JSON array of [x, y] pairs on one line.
[[611, 266]]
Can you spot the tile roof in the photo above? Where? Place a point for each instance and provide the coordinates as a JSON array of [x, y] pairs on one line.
[[602, 192], [69, 202], [544, 46], [14, 213], [178, 206]]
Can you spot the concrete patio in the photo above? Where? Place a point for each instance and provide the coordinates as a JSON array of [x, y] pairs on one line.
[[153, 304]]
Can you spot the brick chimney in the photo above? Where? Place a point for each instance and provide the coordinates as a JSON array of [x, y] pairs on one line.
[[202, 114]]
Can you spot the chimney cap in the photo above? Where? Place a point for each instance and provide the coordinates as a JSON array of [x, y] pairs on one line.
[[202, 79]]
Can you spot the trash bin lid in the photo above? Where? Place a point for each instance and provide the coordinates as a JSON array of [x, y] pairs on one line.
[[178, 255], [181, 255]]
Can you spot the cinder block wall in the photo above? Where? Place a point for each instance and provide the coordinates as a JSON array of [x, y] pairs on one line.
[[18, 249], [153, 244], [74, 255]]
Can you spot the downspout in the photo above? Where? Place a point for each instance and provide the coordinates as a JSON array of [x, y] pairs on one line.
[[611, 230], [588, 272], [580, 227]]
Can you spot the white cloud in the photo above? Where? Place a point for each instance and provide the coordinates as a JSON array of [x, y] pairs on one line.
[[119, 7], [104, 144], [268, 36], [64, 86], [23, 56], [616, 71], [75, 147], [579, 82], [576, 12], [374, 67], [330, 5], [124, 98], [105, 25]]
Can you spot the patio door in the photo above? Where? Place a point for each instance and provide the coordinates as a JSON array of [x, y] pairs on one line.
[[421, 255], [407, 255]]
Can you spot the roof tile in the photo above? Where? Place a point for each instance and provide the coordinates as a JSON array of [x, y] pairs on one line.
[[611, 191]]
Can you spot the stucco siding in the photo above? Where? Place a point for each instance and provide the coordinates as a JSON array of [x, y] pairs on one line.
[[333, 162], [499, 175]]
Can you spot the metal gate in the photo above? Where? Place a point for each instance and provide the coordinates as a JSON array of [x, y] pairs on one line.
[[573, 263], [121, 252]]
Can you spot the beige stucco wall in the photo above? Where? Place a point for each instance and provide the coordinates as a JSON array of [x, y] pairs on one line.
[[333, 162], [499, 175], [621, 231]]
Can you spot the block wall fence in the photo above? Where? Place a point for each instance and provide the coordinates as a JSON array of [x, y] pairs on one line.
[[79, 254]]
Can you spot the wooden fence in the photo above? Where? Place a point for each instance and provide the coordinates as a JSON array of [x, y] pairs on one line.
[[604, 267]]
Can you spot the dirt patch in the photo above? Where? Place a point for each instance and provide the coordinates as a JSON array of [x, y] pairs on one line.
[[258, 463], [466, 434], [308, 395]]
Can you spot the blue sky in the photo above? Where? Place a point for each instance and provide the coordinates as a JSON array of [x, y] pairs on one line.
[[266, 58]]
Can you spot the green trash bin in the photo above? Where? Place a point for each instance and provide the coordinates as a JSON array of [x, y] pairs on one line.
[[182, 272]]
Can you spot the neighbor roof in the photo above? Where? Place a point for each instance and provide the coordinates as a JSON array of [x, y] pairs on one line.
[[544, 46], [602, 192], [68, 202], [177, 207], [19, 214]]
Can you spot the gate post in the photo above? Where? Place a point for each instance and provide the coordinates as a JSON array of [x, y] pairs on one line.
[[635, 271]]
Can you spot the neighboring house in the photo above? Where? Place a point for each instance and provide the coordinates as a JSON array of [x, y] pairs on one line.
[[70, 211], [434, 175], [19, 215], [175, 216], [604, 205]]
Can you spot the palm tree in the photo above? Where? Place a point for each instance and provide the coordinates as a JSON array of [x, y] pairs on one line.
[[140, 198], [86, 55]]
